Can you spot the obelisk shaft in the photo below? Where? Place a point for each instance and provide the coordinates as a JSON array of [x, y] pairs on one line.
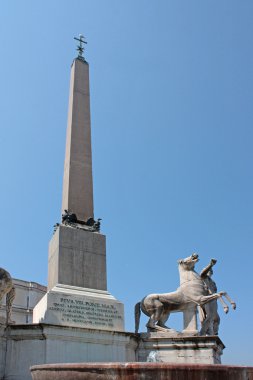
[[77, 195]]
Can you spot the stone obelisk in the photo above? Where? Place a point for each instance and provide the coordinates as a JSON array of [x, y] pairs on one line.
[[77, 182], [77, 287]]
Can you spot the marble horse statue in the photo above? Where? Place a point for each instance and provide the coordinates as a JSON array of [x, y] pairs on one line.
[[7, 288], [192, 292]]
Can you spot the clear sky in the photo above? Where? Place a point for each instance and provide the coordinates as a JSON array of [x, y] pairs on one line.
[[171, 101]]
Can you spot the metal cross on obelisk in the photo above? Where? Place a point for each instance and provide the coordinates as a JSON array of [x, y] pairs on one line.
[[80, 47]]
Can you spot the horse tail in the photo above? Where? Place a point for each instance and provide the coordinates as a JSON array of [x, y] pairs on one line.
[[137, 314], [9, 301]]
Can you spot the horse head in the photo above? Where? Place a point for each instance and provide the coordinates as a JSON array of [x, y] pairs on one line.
[[189, 262]]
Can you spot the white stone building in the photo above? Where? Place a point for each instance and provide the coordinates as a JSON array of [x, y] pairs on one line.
[[28, 294]]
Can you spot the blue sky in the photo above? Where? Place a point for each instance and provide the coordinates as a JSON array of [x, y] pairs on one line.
[[171, 101]]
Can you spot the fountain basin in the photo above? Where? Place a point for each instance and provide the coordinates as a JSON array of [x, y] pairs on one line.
[[140, 371]]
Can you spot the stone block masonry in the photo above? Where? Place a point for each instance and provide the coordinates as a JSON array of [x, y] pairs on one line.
[[77, 258]]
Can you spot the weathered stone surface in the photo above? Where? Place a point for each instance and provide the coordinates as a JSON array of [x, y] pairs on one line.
[[180, 349], [80, 307], [77, 258], [29, 345], [77, 181], [140, 371]]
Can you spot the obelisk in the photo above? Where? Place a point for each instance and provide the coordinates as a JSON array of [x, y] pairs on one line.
[[77, 181], [77, 284]]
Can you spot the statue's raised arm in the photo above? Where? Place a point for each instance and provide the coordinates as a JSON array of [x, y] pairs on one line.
[[207, 269]]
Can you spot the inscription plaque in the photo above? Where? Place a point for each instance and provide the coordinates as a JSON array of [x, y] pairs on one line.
[[86, 312], [83, 311]]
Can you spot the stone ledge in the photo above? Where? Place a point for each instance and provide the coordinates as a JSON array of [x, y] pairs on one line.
[[36, 328], [181, 338]]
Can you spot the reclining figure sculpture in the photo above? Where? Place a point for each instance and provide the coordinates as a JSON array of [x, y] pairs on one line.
[[192, 292]]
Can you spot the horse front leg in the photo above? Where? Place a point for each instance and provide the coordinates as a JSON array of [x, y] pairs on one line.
[[224, 305], [205, 299], [233, 304]]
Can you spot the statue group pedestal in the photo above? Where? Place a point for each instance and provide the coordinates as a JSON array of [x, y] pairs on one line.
[[179, 348]]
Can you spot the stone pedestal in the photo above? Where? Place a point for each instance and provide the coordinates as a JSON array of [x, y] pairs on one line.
[[80, 307], [180, 349], [77, 258], [77, 294]]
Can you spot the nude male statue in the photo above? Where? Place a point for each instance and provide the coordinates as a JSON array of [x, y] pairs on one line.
[[210, 321]]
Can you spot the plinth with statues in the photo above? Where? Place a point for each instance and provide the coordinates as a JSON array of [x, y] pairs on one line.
[[196, 295]]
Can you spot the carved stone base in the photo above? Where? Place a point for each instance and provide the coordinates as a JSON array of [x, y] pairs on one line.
[[66, 305], [163, 347]]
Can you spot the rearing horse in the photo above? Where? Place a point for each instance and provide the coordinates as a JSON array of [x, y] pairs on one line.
[[191, 292]]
